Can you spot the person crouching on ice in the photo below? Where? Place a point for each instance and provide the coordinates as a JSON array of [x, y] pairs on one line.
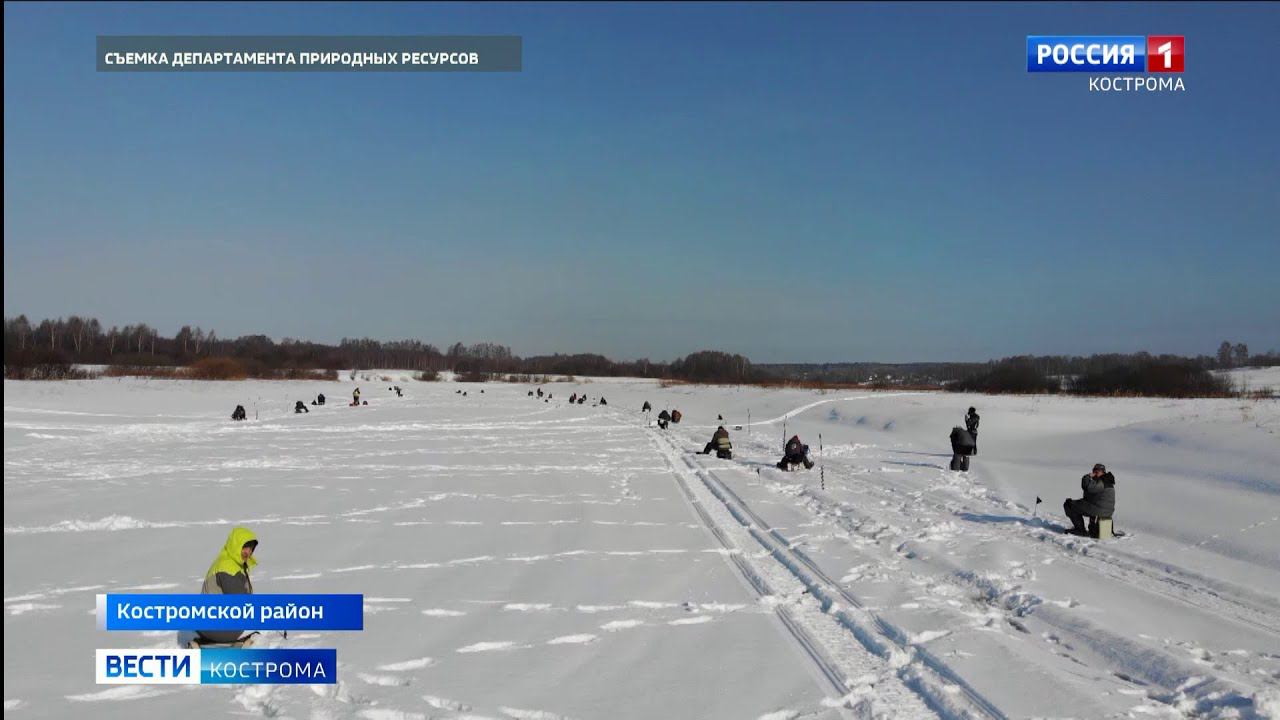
[[795, 453], [229, 575], [720, 444]]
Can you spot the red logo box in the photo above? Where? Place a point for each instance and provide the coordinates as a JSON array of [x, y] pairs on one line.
[[1164, 53]]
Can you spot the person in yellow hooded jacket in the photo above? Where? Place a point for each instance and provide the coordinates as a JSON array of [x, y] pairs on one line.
[[229, 575]]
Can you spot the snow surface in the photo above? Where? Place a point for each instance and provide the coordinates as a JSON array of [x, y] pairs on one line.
[[528, 559]]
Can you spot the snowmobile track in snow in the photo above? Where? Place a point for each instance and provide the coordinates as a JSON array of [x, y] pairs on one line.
[[1164, 579], [784, 550], [912, 684]]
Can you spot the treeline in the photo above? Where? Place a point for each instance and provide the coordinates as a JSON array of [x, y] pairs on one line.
[[1008, 372], [912, 374], [1139, 374], [52, 349]]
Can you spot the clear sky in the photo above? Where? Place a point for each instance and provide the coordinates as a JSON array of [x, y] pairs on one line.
[[793, 182]]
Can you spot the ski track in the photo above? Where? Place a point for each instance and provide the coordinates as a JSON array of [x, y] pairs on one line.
[[1161, 577], [1169, 681], [827, 643]]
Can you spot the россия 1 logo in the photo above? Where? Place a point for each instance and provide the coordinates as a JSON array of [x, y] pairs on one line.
[[1164, 53], [1127, 54]]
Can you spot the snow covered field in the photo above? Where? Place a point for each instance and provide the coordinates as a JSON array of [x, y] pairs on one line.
[[528, 559]]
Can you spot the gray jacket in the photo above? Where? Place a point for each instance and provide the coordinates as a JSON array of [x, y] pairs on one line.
[[225, 584], [1100, 493]]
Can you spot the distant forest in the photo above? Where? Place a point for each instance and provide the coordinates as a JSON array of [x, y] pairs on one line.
[[52, 349]]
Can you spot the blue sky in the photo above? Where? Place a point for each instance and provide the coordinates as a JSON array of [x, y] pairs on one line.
[[793, 182]]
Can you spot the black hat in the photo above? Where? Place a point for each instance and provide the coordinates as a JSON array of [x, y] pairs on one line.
[[1100, 468]]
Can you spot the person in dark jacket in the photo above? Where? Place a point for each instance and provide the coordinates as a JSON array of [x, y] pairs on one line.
[[573, 398], [664, 417], [647, 407], [962, 446], [229, 575], [300, 407], [238, 413], [720, 444], [795, 453], [603, 401], [971, 424], [1099, 499], [320, 399]]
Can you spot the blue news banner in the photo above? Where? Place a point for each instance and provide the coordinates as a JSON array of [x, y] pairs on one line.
[[222, 665], [1087, 53], [218, 666], [230, 612]]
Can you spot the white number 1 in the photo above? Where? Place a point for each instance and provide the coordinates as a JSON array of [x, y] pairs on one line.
[[1167, 51]]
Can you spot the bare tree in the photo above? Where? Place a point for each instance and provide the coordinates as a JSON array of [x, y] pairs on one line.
[[1224, 354], [93, 332], [1241, 354], [182, 338], [22, 327], [76, 327], [48, 329]]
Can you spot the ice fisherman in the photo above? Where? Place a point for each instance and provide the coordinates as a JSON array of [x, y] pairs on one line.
[[720, 444], [664, 417], [229, 575], [795, 453], [238, 413], [962, 446], [355, 397], [1099, 501]]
